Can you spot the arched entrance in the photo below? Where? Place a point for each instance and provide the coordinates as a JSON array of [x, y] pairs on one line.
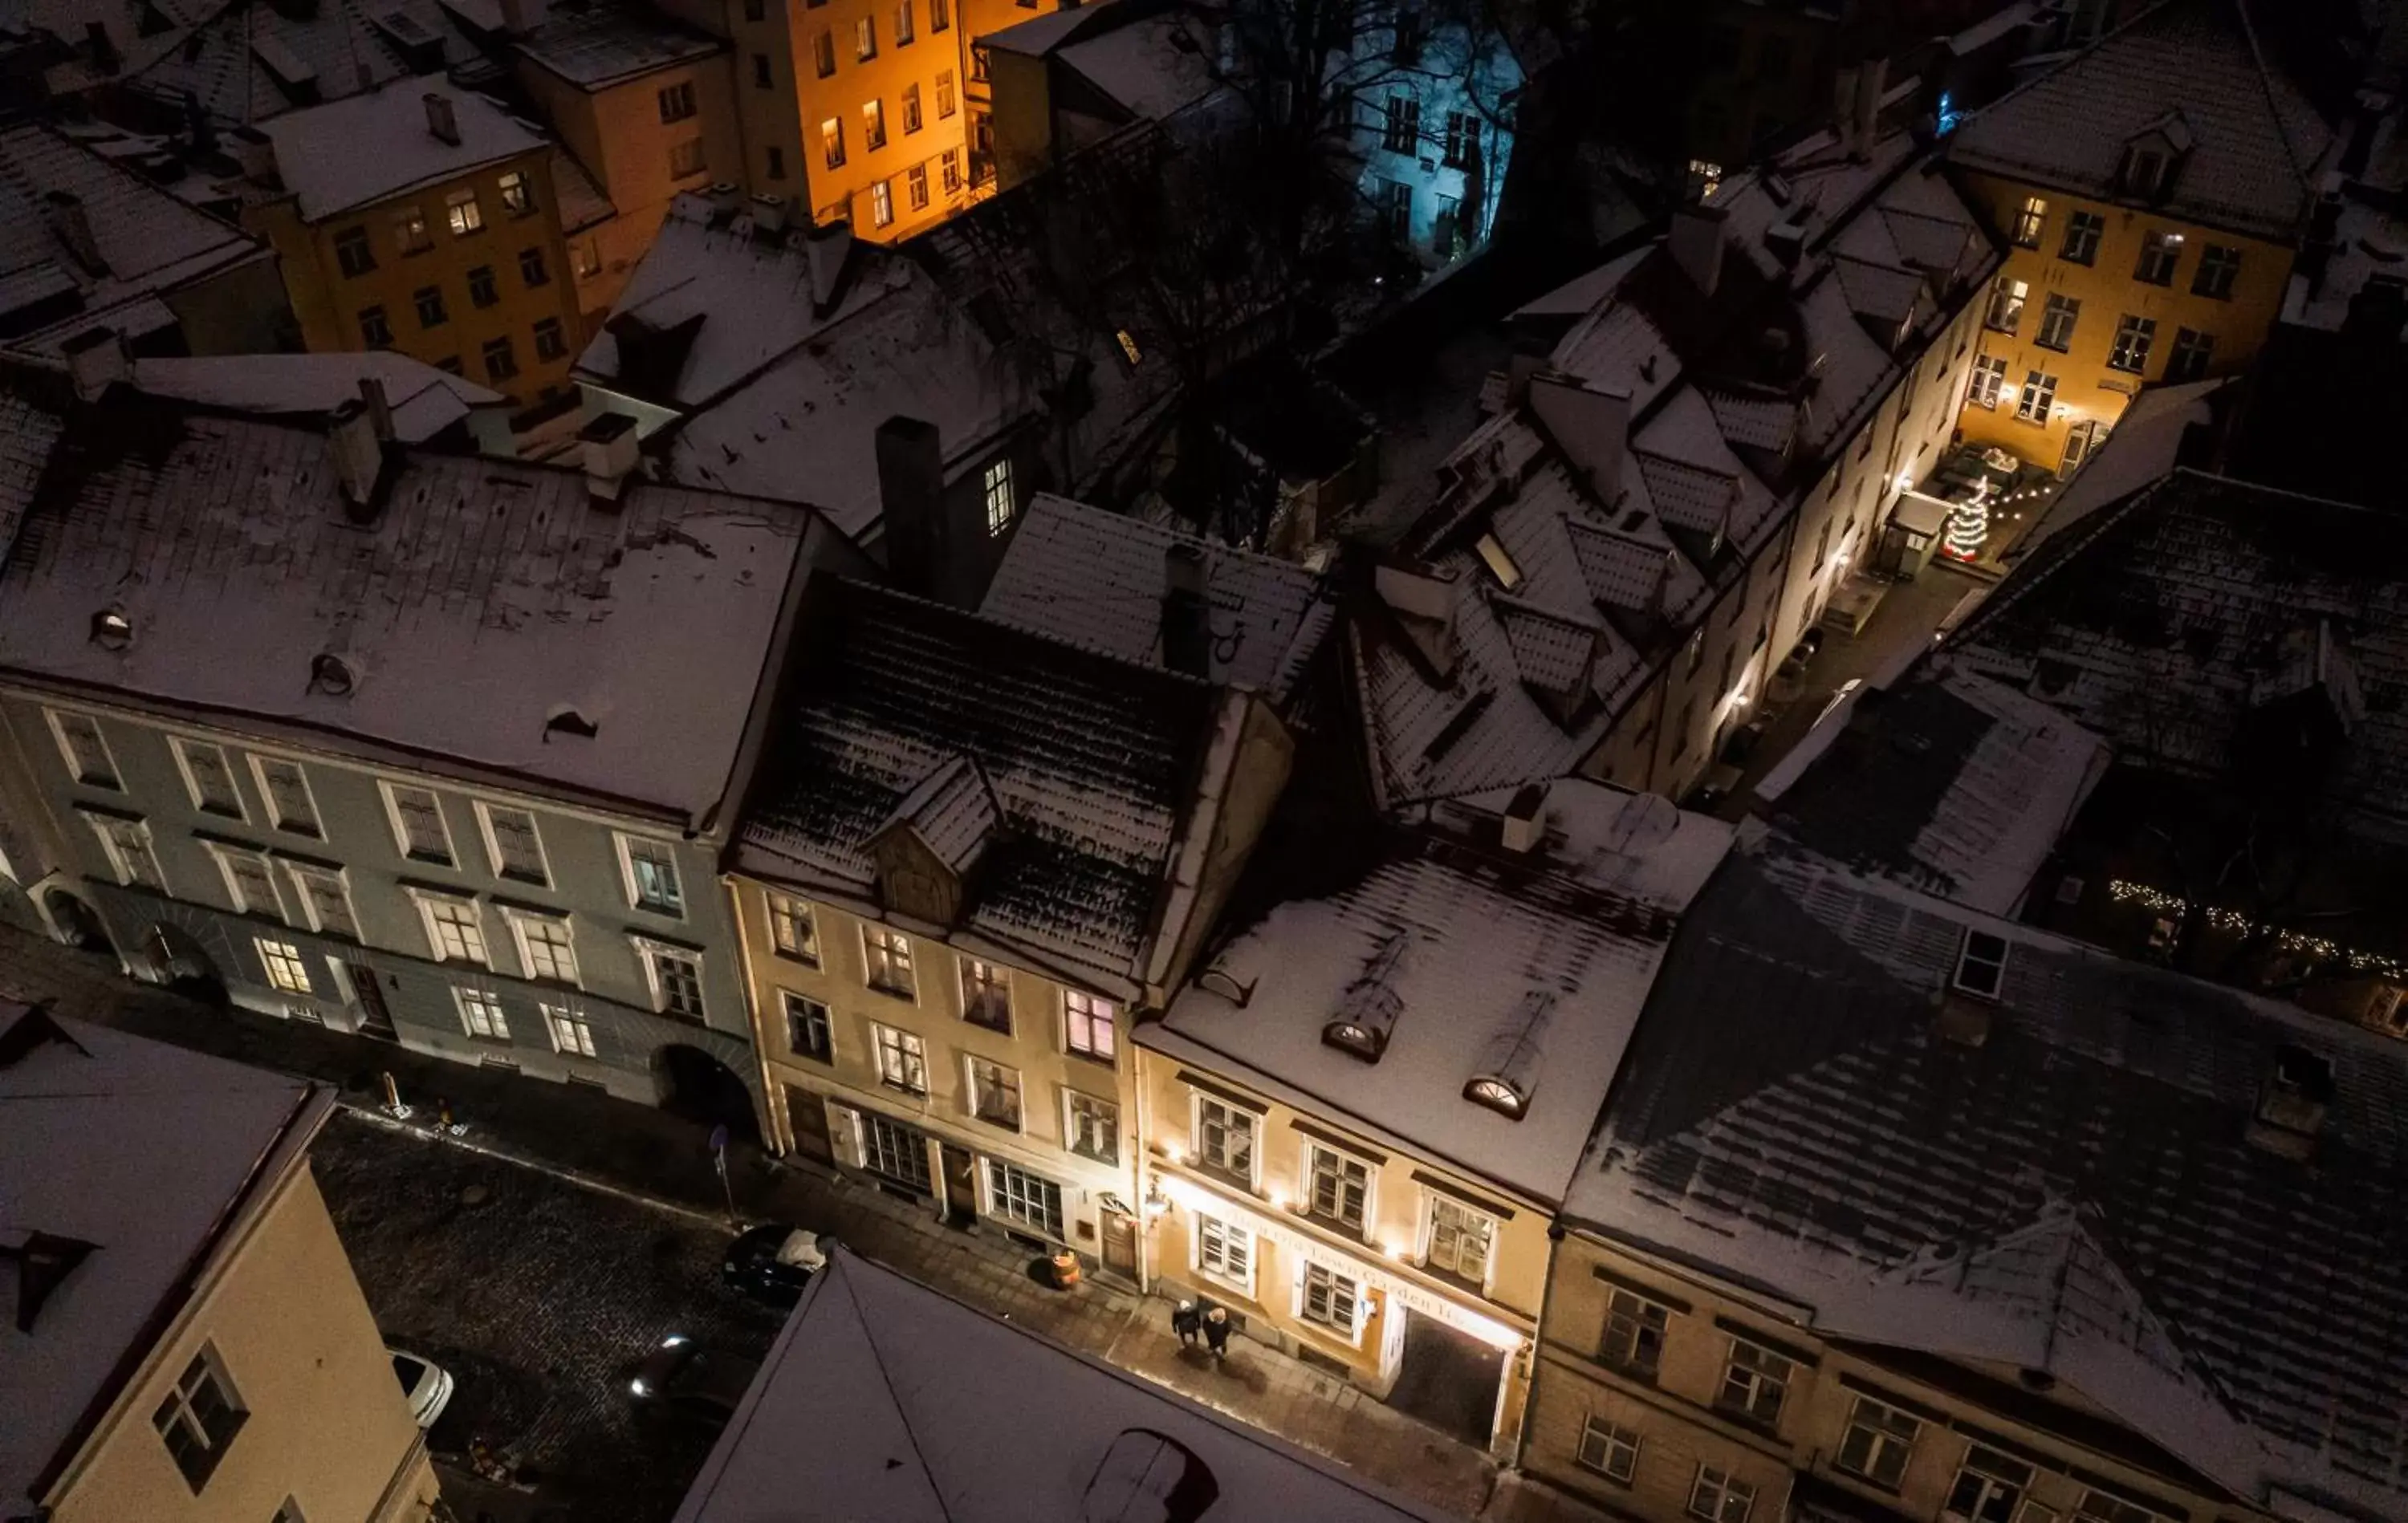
[[177, 961], [77, 924], [700, 1087]]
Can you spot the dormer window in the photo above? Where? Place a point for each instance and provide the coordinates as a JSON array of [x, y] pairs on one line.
[[1982, 964], [1499, 560], [1499, 1095], [2148, 169], [1362, 1041], [1367, 1008], [111, 629]]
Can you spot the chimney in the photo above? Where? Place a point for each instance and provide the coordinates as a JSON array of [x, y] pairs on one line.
[[104, 49], [827, 250], [1589, 424], [608, 446], [769, 215], [1870, 80], [1424, 608], [2292, 1098], [359, 460], [64, 210], [1786, 241], [1524, 823], [1696, 242], [724, 197], [1186, 623], [442, 120], [911, 497], [96, 358], [1843, 106], [521, 17], [380, 411]]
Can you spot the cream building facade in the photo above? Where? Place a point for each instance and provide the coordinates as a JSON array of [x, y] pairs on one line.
[[189, 1345]]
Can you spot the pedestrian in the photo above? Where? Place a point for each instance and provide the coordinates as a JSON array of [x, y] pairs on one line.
[[1186, 1321], [1216, 1331]]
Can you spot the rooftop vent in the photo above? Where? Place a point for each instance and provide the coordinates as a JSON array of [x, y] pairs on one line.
[[1368, 1010], [769, 216], [44, 1260], [331, 675], [1186, 625], [111, 629], [2292, 1098], [609, 444]]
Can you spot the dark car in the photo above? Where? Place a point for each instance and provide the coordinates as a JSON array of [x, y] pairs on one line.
[[684, 1379], [773, 1262]]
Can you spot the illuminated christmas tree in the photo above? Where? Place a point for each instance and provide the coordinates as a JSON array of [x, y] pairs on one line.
[[1968, 527]]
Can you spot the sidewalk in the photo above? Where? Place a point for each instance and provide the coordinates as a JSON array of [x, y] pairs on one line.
[[634, 1150]]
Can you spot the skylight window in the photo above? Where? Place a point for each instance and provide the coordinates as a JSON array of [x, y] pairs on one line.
[[1982, 964], [1493, 555]]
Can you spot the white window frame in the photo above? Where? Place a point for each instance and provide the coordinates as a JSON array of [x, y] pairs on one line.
[[803, 1007], [1072, 1130], [260, 762], [579, 1030], [58, 718], [911, 1051], [114, 854], [1232, 1112], [1614, 1442], [1214, 1261], [1436, 1201], [1883, 1436], [1353, 1333], [301, 874], [1000, 984], [477, 1004], [1004, 1204], [980, 1072], [1727, 1488], [627, 873], [390, 790], [227, 855], [649, 952], [518, 920], [426, 901], [1997, 976], [1314, 1150], [542, 857], [181, 747], [794, 928], [287, 970], [1755, 1370], [211, 1370], [873, 935], [1078, 1006], [996, 492]]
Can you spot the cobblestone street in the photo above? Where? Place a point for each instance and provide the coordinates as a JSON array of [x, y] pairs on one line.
[[597, 1233]]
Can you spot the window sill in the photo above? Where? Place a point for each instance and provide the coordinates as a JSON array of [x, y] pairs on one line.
[[903, 1089], [1109, 1160], [1111, 1064], [907, 995], [1011, 1126], [1338, 1226]]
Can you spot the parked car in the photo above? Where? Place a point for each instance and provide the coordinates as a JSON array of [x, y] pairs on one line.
[[773, 1261], [1730, 764], [425, 1384], [684, 1380]]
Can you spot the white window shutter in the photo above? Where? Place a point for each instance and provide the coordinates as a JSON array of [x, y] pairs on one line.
[[844, 1132]]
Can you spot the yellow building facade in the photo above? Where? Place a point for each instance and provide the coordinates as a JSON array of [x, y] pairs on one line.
[[2097, 299], [462, 266]]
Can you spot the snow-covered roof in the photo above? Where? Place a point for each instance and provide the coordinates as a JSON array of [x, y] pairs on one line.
[[2149, 439], [2195, 72], [1091, 761], [1459, 950], [2157, 621], [1727, 432], [489, 603], [424, 401], [318, 152], [1944, 781], [2077, 1194], [141, 1154], [594, 43], [28, 433], [1152, 67], [778, 394], [245, 63], [883, 1399], [145, 242], [1095, 580]]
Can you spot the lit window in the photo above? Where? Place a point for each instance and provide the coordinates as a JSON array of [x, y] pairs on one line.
[[940, 15], [248, 881], [986, 994], [572, 1034], [481, 1014], [127, 845], [210, 777], [882, 203], [518, 193], [652, 876], [997, 488], [1705, 178], [945, 98], [513, 844], [676, 978], [1459, 1240], [87, 754], [865, 38], [1225, 1250], [285, 969], [793, 930], [1988, 1489], [1499, 560], [904, 34], [1879, 1442], [454, 929], [902, 1059], [410, 232], [807, 1034], [199, 1418], [1989, 381], [290, 807], [1610, 1450], [895, 1150], [1329, 1298], [887, 955], [1755, 1383], [994, 1093], [1129, 350], [461, 210], [910, 109], [1031, 1200], [1087, 1026], [1719, 1497], [2134, 336], [873, 126], [325, 898], [832, 142], [1982, 964], [2007, 300], [417, 824], [1092, 1126], [2039, 395], [547, 946], [2029, 219], [1634, 1333], [1336, 1186]]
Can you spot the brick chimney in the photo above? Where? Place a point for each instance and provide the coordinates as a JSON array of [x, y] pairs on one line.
[[442, 118]]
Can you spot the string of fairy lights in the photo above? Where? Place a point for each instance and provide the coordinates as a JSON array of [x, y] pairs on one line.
[[2232, 922]]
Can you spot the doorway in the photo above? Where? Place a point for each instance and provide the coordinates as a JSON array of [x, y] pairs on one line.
[[961, 1185], [1448, 1379], [807, 1118], [703, 1088], [1120, 1243], [78, 923], [367, 997], [178, 961]]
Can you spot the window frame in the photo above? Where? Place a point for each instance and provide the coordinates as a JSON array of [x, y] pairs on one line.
[[316, 828], [485, 809], [1213, 1260], [226, 855], [999, 986], [2058, 310], [2219, 272], [1727, 1488], [1883, 1436], [875, 952], [911, 1051], [2161, 258], [1992, 369], [1099, 1014], [181, 747], [1202, 1154], [114, 851], [1650, 1322], [1756, 1371], [287, 970], [2042, 385], [2031, 220], [652, 953], [478, 1004], [428, 901], [795, 1006], [2084, 230], [1309, 1193], [301, 874], [631, 886], [1436, 1201], [2004, 311], [206, 1370], [996, 493], [1049, 1219], [582, 1027], [1612, 1439], [1074, 1131], [1993, 984], [784, 910], [520, 921], [982, 1075], [1352, 1333], [58, 718], [2129, 352], [463, 213], [392, 792]]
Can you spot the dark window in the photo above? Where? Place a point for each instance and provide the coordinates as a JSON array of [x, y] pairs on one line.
[[549, 342], [481, 289], [2159, 253], [823, 53], [429, 301], [1634, 1333], [686, 160], [940, 15], [2188, 360], [2057, 323], [776, 162], [1404, 129], [2083, 230], [354, 252], [374, 331], [677, 101], [531, 268], [1982, 964], [754, 10], [2133, 337], [501, 365], [761, 76], [2218, 267], [807, 1029], [199, 1418]]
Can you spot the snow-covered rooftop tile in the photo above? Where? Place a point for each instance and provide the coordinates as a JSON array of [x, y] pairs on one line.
[[319, 157]]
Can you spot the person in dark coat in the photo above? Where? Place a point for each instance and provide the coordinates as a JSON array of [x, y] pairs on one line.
[[1216, 1331], [1186, 1321]]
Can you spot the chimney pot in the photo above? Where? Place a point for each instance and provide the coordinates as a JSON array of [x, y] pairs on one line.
[[1186, 614], [608, 447], [442, 117], [769, 217], [359, 459], [1524, 823]]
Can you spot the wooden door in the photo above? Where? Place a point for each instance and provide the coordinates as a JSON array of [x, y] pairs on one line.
[[1120, 1244], [376, 1017], [807, 1120]]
